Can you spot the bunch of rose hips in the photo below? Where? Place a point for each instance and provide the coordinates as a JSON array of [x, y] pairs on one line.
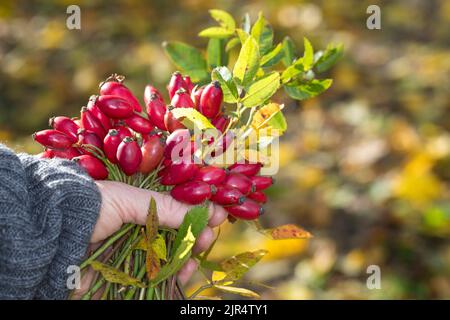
[[114, 130]]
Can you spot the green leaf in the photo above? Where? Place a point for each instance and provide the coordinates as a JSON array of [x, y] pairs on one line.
[[289, 51], [236, 266], [240, 291], [195, 220], [308, 90], [191, 118], [263, 34], [273, 56], [292, 71], [229, 88], [308, 55], [261, 90], [115, 276], [182, 254], [331, 55], [233, 42], [247, 63], [216, 53], [223, 18], [216, 32], [188, 59]]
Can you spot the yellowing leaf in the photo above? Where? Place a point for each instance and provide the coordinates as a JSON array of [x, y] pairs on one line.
[[271, 116], [152, 262], [287, 231], [223, 18], [261, 90], [115, 276], [191, 117], [240, 291], [247, 63], [218, 276], [235, 267], [159, 246]]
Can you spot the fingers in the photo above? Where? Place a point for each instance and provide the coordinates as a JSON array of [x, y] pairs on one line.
[[204, 240], [218, 215], [187, 271]]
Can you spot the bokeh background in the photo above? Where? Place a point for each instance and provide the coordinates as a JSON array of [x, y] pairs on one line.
[[364, 167]]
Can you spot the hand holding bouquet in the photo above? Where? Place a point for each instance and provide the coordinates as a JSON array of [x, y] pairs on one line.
[[213, 142]]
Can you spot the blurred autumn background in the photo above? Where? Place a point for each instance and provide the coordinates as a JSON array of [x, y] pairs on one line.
[[364, 167]]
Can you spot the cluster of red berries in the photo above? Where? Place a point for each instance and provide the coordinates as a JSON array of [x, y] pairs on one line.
[[114, 128]]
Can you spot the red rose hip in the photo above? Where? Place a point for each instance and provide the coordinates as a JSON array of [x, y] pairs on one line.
[[226, 196], [156, 109], [248, 210], [112, 142], [192, 192], [152, 154], [176, 82], [211, 100], [129, 156], [258, 196], [53, 139], [261, 182], [114, 86], [211, 175], [93, 166], [248, 169], [240, 182], [181, 99], [66, 126], [114, 106], [91, 123], [139, 124]]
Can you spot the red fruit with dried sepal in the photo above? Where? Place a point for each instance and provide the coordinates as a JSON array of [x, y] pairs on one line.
[[65, 125], [171, 122], [152, 154], [193, 192], [112, 141], [149, 91], [156, 109], [176, 82], [113, 86], [53, 139], [182, 99], [179, 138], [139, 124], [240, 182], [178, 172], [91, 123], [114, 106], [93, 166], [261, 182], [87, 138], [226, 196], [211, 175], [211, 100], [129, 156], [258, 196], [189, 84], [98, 114], [248, 210], [196, 93], [248, 169]]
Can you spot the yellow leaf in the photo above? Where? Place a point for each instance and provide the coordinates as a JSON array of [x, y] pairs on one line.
[[159, 246], [288, 231], [240, 291], [113, 275], [235, 267], [269, 116], [152, 262], [218, 276]]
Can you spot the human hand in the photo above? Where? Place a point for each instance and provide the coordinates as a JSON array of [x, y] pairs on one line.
[[122, 203]]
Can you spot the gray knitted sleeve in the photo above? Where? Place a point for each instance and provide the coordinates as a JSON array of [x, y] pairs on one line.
[[48, 209]]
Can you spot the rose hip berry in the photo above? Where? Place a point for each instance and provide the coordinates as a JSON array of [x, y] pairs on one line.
[[87, 138], [226, 196], [149, 92], [196, 94], [181, 99], [112, 142], [220, 122], [113, 86], [193, 192], [53, 139], [114, 106], [152, 154], [248, 169], [189, 84], [93, 166], [171, 122], [258, 196], [211, 100], [240, 182], [68, 153], [248, 210], [211, 175], [129, 156], [139, 124], [261, 183], [91, 123], [180, 139], [98, 114], [156, 109], [179, 172], [176, 82], [66, 126]]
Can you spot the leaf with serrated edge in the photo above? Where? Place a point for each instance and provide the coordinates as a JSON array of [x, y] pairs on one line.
[[235, 267], [247, 63], [308, 90], [272, 57], [271, 116], [115, 276], [152, 263], [239, 291], [287, 231], [229, 88], [261, 90], [223, 18], [191, 117]]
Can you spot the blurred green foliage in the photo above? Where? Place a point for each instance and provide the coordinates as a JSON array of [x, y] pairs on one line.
[[365, 167]]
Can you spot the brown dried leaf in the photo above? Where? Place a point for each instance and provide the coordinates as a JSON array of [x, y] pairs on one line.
[[111, 274], [288, 231]]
